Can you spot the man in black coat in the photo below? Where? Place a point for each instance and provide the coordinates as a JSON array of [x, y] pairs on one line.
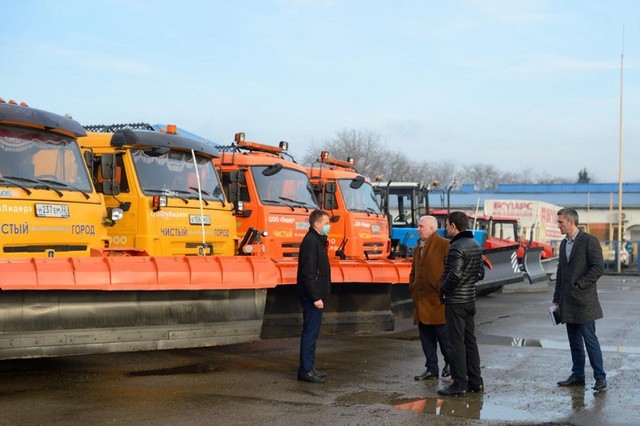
[[463, 269], [580, 264], [314, 281]]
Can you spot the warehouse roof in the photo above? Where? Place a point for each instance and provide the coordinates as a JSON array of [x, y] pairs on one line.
[[577, 195]]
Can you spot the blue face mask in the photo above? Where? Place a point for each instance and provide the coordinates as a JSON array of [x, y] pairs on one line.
[[325, 229]]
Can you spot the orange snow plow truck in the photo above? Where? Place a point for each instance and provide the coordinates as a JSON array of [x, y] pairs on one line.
[[167, 187], [64, 291], [273, 197], [359, 228]]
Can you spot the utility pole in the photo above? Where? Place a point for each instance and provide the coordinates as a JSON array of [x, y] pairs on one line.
[[620, 230]]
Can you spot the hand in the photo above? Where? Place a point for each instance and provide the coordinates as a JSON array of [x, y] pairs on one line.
[[318, 304]]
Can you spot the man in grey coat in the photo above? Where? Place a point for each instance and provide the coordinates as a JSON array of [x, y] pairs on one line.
[[580, 264]]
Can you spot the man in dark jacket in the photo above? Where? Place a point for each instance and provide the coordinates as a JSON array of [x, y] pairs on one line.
[[462, 270], [314, 280], [580, 264]]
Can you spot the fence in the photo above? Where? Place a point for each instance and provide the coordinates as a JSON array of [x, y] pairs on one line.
[[627, 253]]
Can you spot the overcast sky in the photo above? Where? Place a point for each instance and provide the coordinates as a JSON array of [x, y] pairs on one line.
[[514, 83]]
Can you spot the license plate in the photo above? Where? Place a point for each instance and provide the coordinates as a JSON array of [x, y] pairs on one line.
[[196, 219], [52, 210]]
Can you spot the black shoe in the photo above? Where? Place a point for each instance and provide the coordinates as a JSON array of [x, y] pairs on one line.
[[475, 388], [319, 374], [601, 384], [572, 381], [310, 377], [427, 375], [446, 371], [451, 391]]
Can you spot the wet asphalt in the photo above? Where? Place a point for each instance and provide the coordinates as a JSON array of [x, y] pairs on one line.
[[370, 377]]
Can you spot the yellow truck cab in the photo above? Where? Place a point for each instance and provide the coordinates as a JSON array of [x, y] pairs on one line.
[[359, 229], [272, 195], [167, 187], [48, 204]]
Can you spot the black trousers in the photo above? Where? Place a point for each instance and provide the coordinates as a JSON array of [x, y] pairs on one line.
[[312, 320], [465, 358], [430, 336]]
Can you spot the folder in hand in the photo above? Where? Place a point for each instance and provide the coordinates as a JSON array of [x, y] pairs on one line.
[[554, 314]]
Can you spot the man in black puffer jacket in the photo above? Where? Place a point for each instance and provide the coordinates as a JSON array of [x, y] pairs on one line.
[[463, 268]]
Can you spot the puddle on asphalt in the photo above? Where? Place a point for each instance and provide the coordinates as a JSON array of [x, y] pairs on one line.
[[474, 406], [467, 407], [183, 369], [488, 339], [366, 398], [471, 407], [552, 344]]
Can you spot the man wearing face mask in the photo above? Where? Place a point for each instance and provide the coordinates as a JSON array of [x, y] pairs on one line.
[[314, 280]]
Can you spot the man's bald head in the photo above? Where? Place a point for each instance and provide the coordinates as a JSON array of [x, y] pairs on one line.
[[427, 225]]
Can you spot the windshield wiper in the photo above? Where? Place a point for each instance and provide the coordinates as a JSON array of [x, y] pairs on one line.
[[55, 182], [280, 202], [169, 193], [190, 197], [220, 196], [370, 210], [299, 203], [43, 184], [198, 197], [367, 210], [12, 180], [202, 191]]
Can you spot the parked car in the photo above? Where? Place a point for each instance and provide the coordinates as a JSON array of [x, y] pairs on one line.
[[610, 256]]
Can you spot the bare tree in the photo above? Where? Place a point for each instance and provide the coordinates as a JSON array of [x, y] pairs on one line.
[[374, 159], [552, 179], [419, 172], [446, 172], [363, 145], [525, 176], [484, 176]]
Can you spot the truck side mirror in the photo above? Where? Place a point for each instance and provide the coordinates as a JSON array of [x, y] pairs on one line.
[[329, 201], [356, 182], [107, 166], [109, 175], [233, 193], [272, 169], [237, 176], [88, 160]]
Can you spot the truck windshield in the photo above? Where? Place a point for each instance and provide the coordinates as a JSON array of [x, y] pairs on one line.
[[173, 174], [401, 208], [361, 199], [505, 230], [286, 187], [34, 158]]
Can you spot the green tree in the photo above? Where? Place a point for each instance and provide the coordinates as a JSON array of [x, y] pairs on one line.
[[583, 176]]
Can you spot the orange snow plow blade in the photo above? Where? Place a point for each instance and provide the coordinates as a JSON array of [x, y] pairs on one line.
[[138, 273], [353, 271], [371, 271], [361, 300]]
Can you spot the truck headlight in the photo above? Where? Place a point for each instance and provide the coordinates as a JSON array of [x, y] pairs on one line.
[[115, 213]]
